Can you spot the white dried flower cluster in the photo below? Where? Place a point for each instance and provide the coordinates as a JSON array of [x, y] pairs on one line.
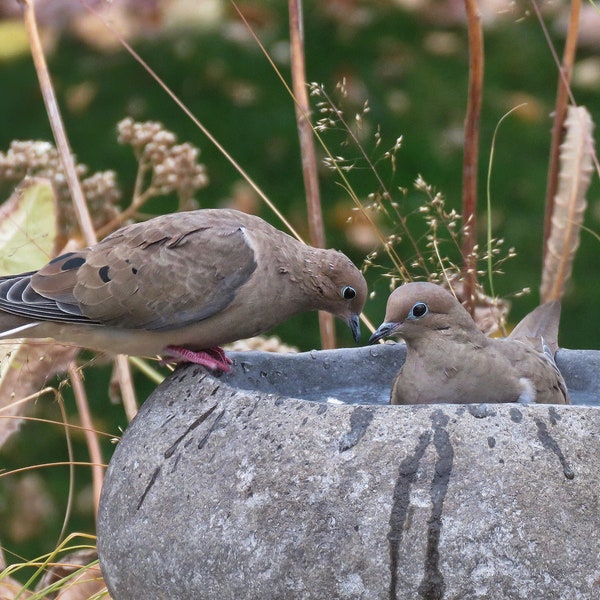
[[174, 167], [102, 193], [262, 343], [29, 158]]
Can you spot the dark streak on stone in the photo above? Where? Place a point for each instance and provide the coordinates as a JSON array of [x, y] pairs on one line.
[[491, 441], [149, 487], [432, 586], [168, 420], [175, 464], [553, 415], [198, 421], [480, 411], [360, 419], [214, 425], [516, 415], [550, 444], [407, 473], [322, 409]]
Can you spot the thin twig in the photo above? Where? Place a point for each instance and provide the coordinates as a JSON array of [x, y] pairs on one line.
[[211, 138], [56, 123], [307, 152], [403, 271], [90, 437], [560, 113], [146, 369], [470, 161], [64, 150], [127, 395], [71, 456]]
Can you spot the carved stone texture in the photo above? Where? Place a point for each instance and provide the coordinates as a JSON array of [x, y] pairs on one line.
[[220, 492]]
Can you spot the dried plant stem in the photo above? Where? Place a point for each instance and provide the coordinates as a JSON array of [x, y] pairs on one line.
[[404, 273], [307, 152], [58, 129], [90, 436], [63, 147], [489, 253], [211, 138], [470, 161], [71, 455], [560, 113], [146, 369], [124, 376]]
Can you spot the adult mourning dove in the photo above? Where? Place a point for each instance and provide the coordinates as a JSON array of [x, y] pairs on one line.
[[450, 360], [180, 285]]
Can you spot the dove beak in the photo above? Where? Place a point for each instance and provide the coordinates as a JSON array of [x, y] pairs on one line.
[[384, 330], [354, 324]]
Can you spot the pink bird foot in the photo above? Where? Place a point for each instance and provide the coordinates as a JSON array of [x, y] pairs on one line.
[[214, 359]]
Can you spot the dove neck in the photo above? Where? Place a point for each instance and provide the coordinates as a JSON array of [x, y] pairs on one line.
[[443, 337], [316, 279]]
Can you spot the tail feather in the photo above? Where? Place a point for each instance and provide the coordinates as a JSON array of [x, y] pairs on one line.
[[540, 327], [11, 326]]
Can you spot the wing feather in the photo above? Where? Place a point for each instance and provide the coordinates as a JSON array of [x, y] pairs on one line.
[[163, 274]]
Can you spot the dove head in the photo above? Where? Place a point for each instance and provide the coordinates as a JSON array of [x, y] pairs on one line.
[[342, 289], [415, 310]]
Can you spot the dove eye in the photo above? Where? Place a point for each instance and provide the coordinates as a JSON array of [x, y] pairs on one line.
[[420, 309], [348, 293]]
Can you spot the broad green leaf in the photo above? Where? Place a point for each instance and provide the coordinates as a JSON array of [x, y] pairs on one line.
[[28, 235], [28, 227]]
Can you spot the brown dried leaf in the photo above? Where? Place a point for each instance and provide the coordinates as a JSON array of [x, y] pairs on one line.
[[10, 588], [575, 175], [28, 235], [25, 368], [82, 586]]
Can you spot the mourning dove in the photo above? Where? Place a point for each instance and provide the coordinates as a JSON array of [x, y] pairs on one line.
[[180, 285], [450, 360]]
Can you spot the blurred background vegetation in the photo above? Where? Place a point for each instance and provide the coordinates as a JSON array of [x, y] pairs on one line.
[[409, 60]]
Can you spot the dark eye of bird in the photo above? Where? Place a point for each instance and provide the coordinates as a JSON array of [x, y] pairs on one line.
[[419, 310], [348, 293]]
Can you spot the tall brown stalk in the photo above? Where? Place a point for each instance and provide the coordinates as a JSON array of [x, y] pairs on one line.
[[307, 151], [85, 224], [470, 160]]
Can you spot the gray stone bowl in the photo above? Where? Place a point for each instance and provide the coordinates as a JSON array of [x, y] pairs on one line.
[[292, 478]]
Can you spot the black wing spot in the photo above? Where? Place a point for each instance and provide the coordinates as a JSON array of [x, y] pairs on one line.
[[72, 263], [61, 257], [103, 272], [134, 270]]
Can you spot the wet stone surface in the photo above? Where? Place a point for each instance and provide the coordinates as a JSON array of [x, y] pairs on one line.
[[233, 487]]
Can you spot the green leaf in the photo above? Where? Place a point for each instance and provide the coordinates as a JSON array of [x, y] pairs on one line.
[[28, 227]]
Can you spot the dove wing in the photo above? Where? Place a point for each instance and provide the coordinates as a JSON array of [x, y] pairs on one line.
[[160, 275]]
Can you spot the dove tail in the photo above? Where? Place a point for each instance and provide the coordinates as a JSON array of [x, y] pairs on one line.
[[15, 332]]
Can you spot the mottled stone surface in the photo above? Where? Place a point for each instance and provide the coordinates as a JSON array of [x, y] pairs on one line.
[[218, 492]]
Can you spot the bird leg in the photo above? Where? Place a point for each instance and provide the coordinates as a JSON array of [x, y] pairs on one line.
[[214, 359]]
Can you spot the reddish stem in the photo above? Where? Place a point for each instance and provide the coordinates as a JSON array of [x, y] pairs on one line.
[[470, 160]]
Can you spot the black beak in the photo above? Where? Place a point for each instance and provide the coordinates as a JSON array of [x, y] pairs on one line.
[[384, 330], [354, 324]]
